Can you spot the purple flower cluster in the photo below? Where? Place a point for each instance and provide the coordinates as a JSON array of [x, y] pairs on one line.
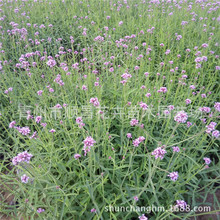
[[22, 157], [211, 128], [24, 178], [88, 143], [173, 176], [181, 117], [159, 153], [181, 203], [137, 141], [133, 122], [79, 121], [207, 160], [95, 102]]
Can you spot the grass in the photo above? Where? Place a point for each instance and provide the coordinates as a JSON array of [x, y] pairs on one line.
[[91, 34]]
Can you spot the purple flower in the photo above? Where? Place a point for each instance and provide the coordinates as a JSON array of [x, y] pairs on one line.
[[111, 69], [84, 87], [51, 90], [189, 124], [136, 142], [52, 131], [40, 92], [135, 198], [38, 119], [24, 130], [159, 153], [133, 122], [143, 217], [43, 124], [217, 106], [88, 143], [51, 63], [173, 176], [205, 109], [215, 133], [95, 102], [188, 101], [148, 95], [144, 106], [24, 178], [141, 138], [176, 149], [210, 127], [203, 95], [39, 210], [22, 157], [181, 117], [93, 210], [12, 124], [34, 135], [77, 156], [207, 160], [171, 107], [79, 120], [181, 203]]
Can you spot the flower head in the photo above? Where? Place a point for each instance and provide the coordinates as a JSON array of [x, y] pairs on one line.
[[135, 198], [22, 157], [143, 217], [77, 156], [24, 178], [181, 203], [207, 160], [38, 119], [173, 176], [39, 210], [133, 122], [215, 133], [181, 117], [51, 63], [88, 143], [217, 106], [12, 124], [95, 102], [159, 153]]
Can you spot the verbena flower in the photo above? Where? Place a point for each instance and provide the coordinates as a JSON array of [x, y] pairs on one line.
[[217, 106], [135, 198], [88, 143], [159, 153], [77, 156], [133, 122], [95, 102], [181, 117], [215, 133], [12, 124], [181, 203], [24, 178], [38, 119], [143, 217], [207, 160], [173, 176], [40, 210], [51, 63], [22, 157], [176, 149]]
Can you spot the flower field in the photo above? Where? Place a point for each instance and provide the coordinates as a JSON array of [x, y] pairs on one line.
[[109, 109]]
